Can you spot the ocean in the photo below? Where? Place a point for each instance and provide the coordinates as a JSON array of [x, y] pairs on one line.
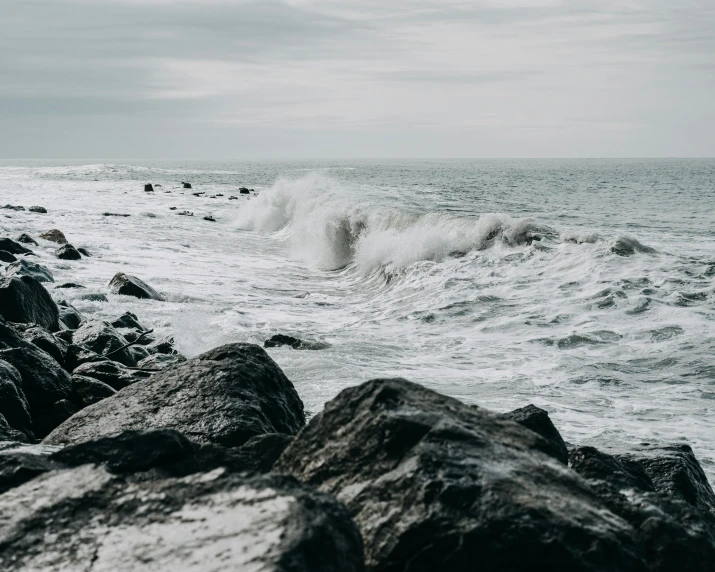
[[586, 287]]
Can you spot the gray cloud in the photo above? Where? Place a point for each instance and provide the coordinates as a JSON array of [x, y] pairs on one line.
[[232, 79]]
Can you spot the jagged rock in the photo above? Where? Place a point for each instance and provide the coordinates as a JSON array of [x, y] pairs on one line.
[[112, 373], [25, 239], [538, 421], [128, 320], [7, 257], [132, 286], [46, 342], [68, 252], [664, 494], [41, 210], [102, 338], [54, 235], [69, 315], [69, 520], [148, 188], [225, 396], [44, 383], [434, 484], [280, 340], [23, 299], [9, 245], [14, 408], [69, 285], [159, 361], [24, 267], [90, 390]]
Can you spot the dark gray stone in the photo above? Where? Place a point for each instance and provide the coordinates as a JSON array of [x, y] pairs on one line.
[[102, 338], [26, 239], [7, 257], [24, 267], [40, 210], [23, 299], [281, 340], [9, 245], [90, 390], [538, 421], [68, 252], [54, 235], [131, 286]]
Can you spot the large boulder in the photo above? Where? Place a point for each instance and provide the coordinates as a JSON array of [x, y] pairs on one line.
[[44, 384], [24, 267], [54, 235], [434, 484], [87, 518], [102, 338], [225, 396], [7, 257], [131, 286], [23, 299], [9, 245]]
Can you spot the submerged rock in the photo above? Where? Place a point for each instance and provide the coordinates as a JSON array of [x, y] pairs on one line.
[[434, 484], [225, 396], [54, 235], [69, 285], [24, 267], [25, 239], [68, 252], [131, 286], [280, 340], [23, 299], [9, 245]]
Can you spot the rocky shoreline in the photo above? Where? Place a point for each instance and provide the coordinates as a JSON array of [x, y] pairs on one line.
[[117, 453]]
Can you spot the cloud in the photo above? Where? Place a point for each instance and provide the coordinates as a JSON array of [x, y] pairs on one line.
[[436, 78]]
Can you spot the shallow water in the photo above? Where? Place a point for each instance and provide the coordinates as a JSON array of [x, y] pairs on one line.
[[585, 287]]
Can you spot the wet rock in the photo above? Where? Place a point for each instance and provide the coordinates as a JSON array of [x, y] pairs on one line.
[[116, 214], [25, 239], [23, 299], [14, 207], [131, 286], [628, 246], [159, 361], [90, 390], [244, 191], [84, 252], [44, 383], [69, 285], [165, 346], [225, 396], [9, 245], [102, 338], [232, 198], [63, 409], [186, 185], [185, 213], [93, 297], [210, 218], [114, 374], [78, 354], [664, 495], [54, 235], [280, 340], [48, 343], [7, 433], [21, 463], [24, 267], [137, 337], [207, 521], [14, 408], [40, 210], [538, 421], [148, 188], [69, 315], [128, 320], [434, 484], [7, 257], [68, 252]]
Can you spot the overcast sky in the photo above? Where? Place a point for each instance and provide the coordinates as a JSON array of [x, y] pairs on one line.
[[235, 79]]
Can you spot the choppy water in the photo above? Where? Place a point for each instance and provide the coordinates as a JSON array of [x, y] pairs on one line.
[[585, 287]]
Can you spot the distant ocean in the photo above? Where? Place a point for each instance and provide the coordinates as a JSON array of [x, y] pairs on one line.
[[586, 287]]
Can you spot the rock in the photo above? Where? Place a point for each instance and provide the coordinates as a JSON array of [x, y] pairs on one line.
[[14, 408], [46, 342], [165, 346], [87, 518], [23, 299], [186, 185], [9, 245], [138, 337], [112, 373], [41, 210], [262, 451], [69, 285], [7, 257], [63, 409], [647, 488], [225, 396], [54, 235], [185, 213], [25, 239], [210, 218], [280, 340], [116, 214], [26, 268], [434, 484], [68, 252], [14, 208], [102, 338], [148, 188], [93, 297], [159, 361], [244, 191], [90, 390], [7, 433], [538, 421], [84, 252], [128, 320], [69, 315], [44, 383], [79, 354], [22, 463], [64, 335], [131, 286]]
